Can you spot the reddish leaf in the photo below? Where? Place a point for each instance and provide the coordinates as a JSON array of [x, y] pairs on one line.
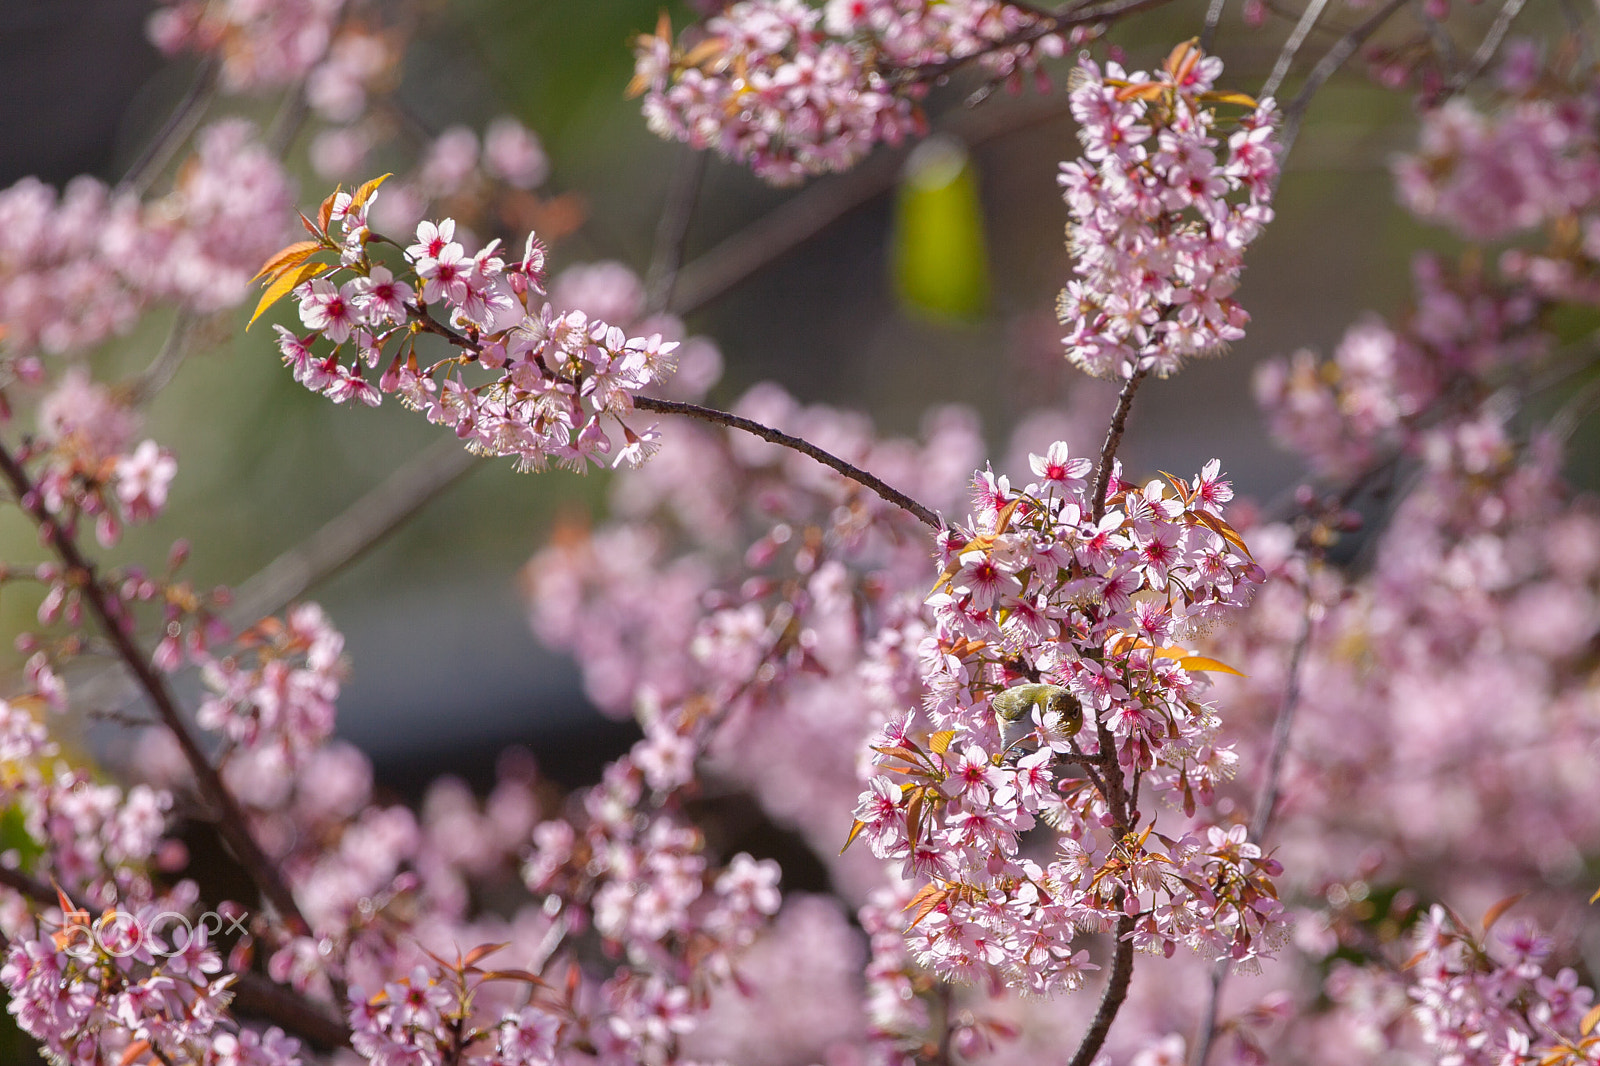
[[1494, 913]]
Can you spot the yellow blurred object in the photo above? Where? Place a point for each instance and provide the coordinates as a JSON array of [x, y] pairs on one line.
[[938, 258]]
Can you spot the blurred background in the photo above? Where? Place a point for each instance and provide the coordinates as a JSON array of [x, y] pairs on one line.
[[445, 671]]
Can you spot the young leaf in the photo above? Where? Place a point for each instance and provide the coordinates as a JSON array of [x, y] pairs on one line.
[[1202, 662], [939, 743], [291, 256], [283, 286], [855, 831], [1494, 913], [364, 193]]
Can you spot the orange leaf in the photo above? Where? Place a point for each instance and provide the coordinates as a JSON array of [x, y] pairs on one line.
[[514, 975], [363, 194], [855, 831], [283, 286], [325, 212], [1225, 531], [1202, 662], [479, 953], [1595, 896], [926, 899], [1590, 1020], [291, 256], [1241, 99], [1003, 519], [1494, 913], [1413, 960], [710, 48], [1144, 90], [914, 810], [311, 227], [136, 1051], [939, 743]]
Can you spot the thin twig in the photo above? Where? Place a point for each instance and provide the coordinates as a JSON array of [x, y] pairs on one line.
[[155, 377], [1264, 811], [150, 162], [1291, 46], [1108, 451], [1213, 20], [1078, 15], [1443, 44], [114, 624], [673, 230], [354, 531], [1491, 44], [1282, 727], [1331, 61], [722, 418]]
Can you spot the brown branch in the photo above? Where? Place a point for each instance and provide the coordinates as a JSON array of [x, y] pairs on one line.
[[141, 173], [804, 447], [260, 997], [1108, 451], [1291, 46], [1208, 32], [1082, 14], [1116, 992], [1332, 60], [1490, 45], [113, 623]]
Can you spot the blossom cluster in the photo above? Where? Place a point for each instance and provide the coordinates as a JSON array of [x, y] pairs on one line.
[[123, 985], [1082, 613], [81, 266], [1157, 243], [1388, 384], [562, 382], [89, 465], [277, 688], [791, 90], [260, 46], [1491, 1002]]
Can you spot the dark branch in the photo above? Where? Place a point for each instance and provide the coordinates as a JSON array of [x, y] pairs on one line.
[[1116, 992], [1108, 451], [767, 433], [114, 624]]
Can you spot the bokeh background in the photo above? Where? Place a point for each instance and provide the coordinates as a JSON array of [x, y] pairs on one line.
[[445, 671]]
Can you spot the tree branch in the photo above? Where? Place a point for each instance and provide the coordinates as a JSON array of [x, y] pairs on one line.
[[1341, 50], [804, 447], [1291, 46], [353, 532], [113, 623], [1116, 992], [1108, 451]]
